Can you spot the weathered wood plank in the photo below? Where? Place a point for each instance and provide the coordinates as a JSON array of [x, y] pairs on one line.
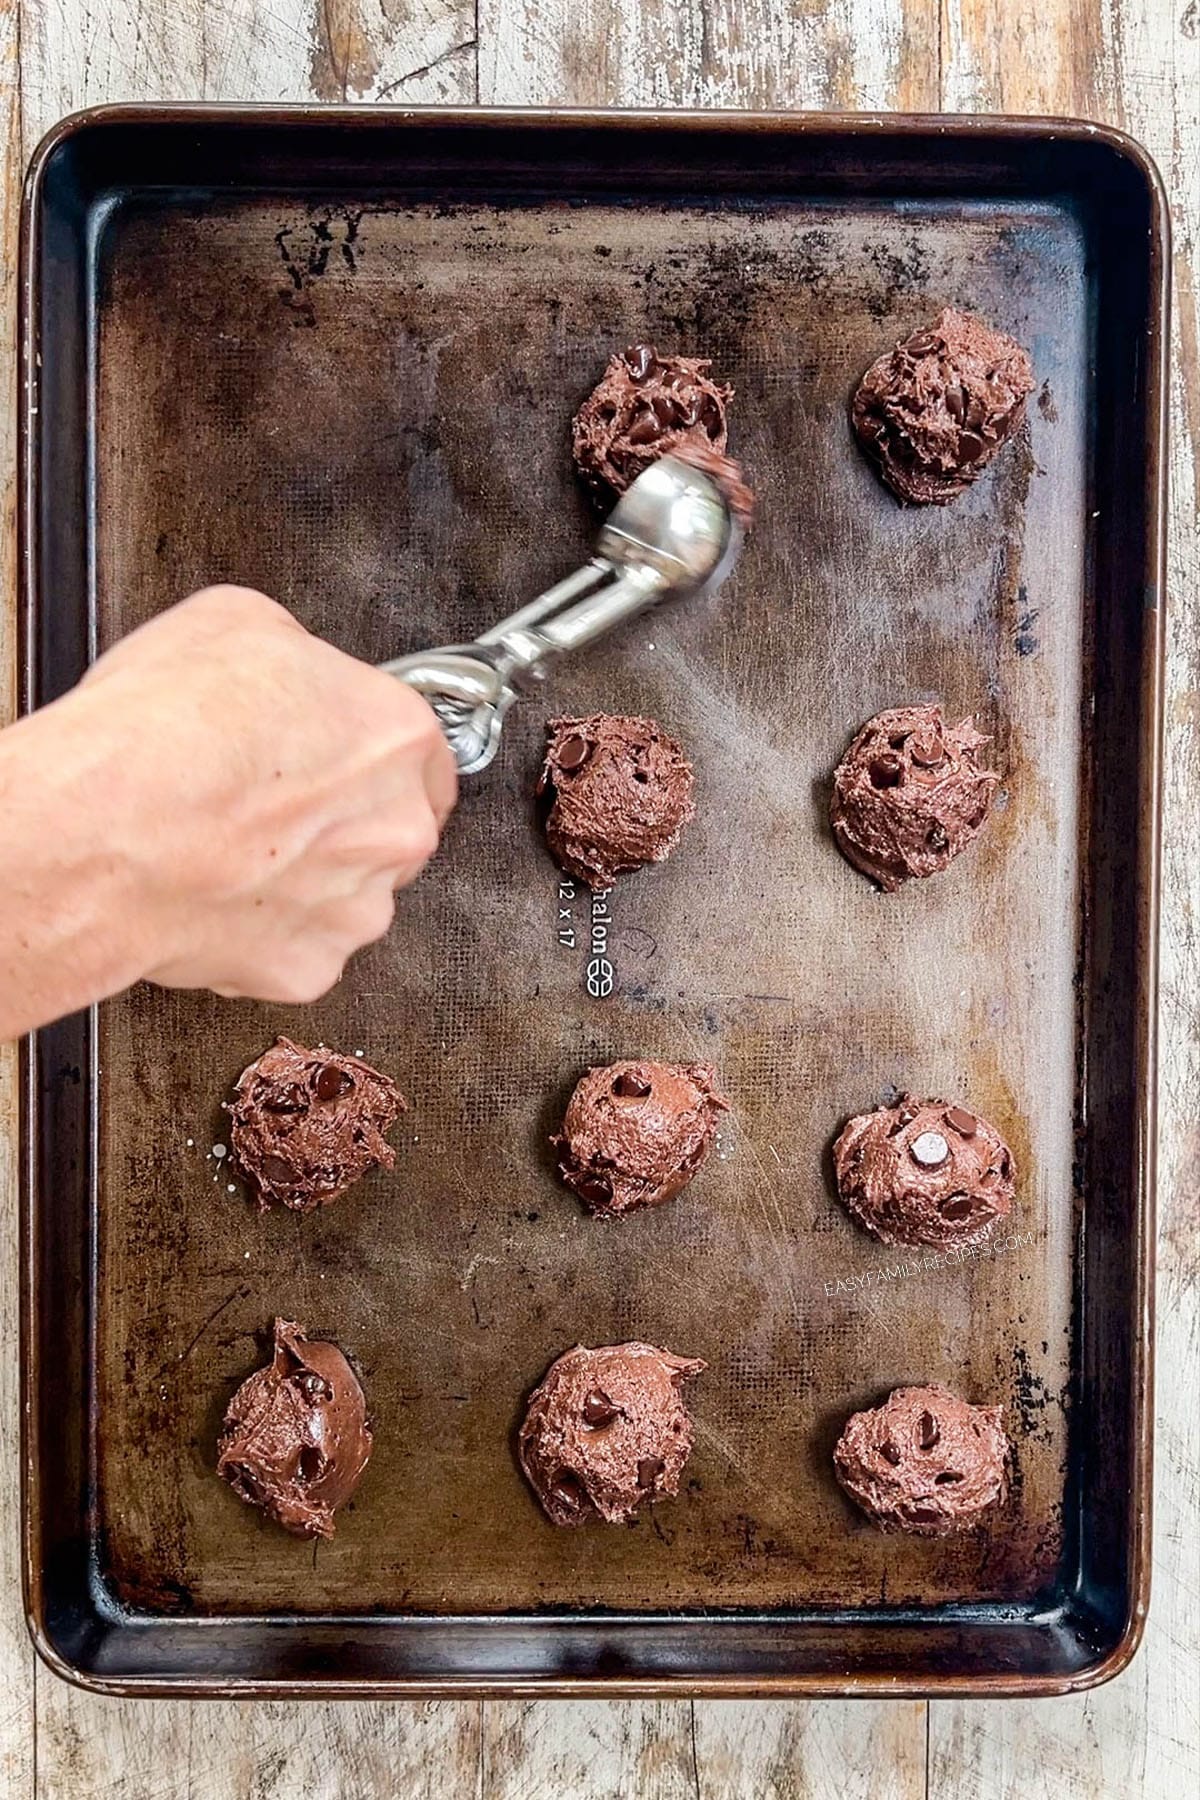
[[541, 1750], [246, 1750], [810, 53], [1135, 63], [778, 1751], [83, 52]]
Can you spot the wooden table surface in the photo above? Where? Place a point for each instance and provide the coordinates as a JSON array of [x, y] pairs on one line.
[[1135, 63]]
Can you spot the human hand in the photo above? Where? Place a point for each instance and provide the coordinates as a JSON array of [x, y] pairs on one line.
[[265, 792]]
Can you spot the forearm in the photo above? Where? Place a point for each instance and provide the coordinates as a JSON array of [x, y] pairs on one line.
[[73, 927]]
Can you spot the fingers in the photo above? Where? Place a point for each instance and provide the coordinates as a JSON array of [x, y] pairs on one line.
[[441, 779]]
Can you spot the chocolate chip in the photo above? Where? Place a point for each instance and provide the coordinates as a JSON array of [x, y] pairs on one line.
[[958, 1119], [665, 411], [946, 1476], [312, 1387], [956, 402], [645, 428], [970, 447], [976, 412], [332, 1082], [710, 415], [649, 1470], [930, 1150], [567, 1487], [936, 837], [890, 1454], [275, 1169], [923, 1515], [691, 411], [921, 343], [641, 361], [927, 749], [598, 1409], [886, 771], [573, 753], [927, 1431], [594, 1189], [631, 1087], [959, 1206]]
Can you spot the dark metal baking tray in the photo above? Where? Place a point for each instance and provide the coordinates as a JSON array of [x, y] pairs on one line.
[[335, 354]]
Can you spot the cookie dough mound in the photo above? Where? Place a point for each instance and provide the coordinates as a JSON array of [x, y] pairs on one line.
[[910, 794], [935, 410], [924, 1172], [635, 1133], [644, 407], [308, 1123], [607, 1432], [295, 1439], [622, 793], [925, 1462]]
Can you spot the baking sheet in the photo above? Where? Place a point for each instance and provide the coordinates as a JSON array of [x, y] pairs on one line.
[[362, 405]]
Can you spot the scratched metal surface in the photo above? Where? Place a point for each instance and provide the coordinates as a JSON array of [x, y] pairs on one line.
[[366, 413]]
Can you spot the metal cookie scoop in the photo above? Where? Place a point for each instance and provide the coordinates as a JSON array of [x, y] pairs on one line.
[[672, 532]]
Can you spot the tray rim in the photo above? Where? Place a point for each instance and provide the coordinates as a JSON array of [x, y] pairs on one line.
[[981, 128]]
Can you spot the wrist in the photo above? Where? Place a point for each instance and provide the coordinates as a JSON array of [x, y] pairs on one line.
[[75, 925]]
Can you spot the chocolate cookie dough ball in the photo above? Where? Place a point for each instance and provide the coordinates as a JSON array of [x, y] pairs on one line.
[[607, 1432], [308, 1123], [935, 410], [295, 1439], [644, 406], [924, 1172], [910, 794], [621, 794], [925, 1462], [635, 1133]]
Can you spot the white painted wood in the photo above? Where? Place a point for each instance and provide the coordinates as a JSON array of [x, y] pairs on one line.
[[84, 52], [252, 1750], [847, 53], [777, 1750], [594, 1749]]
